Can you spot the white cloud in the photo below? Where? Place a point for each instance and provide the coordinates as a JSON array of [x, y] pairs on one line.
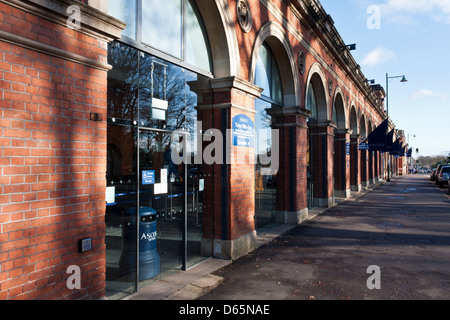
[[426, 93], [401, 11], [377, 56]]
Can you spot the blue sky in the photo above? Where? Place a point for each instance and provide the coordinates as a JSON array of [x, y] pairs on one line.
[[404, 37]]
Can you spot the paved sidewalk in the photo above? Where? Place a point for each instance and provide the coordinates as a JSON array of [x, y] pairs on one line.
[[402, 227], [203, 278]]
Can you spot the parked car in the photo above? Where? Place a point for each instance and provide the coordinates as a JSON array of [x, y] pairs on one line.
[[443, 176], [437, 171]]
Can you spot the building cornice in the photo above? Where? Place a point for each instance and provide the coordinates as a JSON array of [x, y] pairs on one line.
[[312, 15], [93, 21]]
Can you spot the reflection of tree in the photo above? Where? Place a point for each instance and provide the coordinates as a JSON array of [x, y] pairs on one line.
[[136, 78], [265, 120], [123, 82], [263, 123], [169, 84]]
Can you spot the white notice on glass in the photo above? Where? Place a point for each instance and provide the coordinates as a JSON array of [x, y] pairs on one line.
[[110, 195], [164, 175], [161, 188]]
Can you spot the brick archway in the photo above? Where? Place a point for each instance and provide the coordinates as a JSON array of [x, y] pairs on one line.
[[272, 34], [321, 141], [364, 153], [355, 163], [341, 156]]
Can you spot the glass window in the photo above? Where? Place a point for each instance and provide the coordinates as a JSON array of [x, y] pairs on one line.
[[123, 82], [197, 52], [162, 25], [162, 95], [267, 75], [262, 76], [125, 10], [311, 104], [335, 117], [173, 27], [265, 176]]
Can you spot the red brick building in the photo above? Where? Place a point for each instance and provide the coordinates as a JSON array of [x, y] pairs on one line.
[[94, 98]]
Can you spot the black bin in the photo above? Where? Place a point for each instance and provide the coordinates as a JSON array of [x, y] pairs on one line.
[[149, 260]]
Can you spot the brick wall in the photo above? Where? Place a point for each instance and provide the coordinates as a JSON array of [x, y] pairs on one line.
[[52, 158], [230, 193]]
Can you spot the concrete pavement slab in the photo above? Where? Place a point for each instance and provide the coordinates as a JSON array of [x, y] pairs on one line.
[[402, 227]]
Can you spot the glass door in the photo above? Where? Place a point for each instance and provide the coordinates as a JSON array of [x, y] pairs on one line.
[[154, 213], [194, 214], [162, 196], [121, 200], [141, 174]]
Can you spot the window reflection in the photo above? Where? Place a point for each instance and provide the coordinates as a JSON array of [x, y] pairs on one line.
[[144, 88], [197, 52], [123, 82], [173, 27], [162, 25], [125, 10], [265, 179], [311, 104], [267, 75], [147, 93]]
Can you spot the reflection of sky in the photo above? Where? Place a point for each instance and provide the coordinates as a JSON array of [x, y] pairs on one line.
[[163, 31], [262, 127], [162, 28], [262, 119], [261, 76], [311, 102], [123, 10]]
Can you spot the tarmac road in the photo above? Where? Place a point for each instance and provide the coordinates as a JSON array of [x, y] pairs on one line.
[[402, 227]]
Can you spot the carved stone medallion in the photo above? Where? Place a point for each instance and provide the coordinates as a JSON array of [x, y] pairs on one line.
[[244, 15], [330, 87], [302, 62]]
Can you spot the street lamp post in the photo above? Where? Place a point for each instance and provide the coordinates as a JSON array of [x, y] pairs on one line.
[[410, 159], [387, 110]]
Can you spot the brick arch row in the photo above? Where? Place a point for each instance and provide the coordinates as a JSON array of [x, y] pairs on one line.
[[232, 91]]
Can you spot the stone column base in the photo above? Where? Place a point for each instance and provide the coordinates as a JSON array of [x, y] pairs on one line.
[[324, 202], [365, 184], [343, 193], [292, 217], [229, 249]]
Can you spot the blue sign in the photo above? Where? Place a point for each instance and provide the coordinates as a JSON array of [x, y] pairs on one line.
[[148, 177], [243, 131], [347, 148], [363, 146]]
